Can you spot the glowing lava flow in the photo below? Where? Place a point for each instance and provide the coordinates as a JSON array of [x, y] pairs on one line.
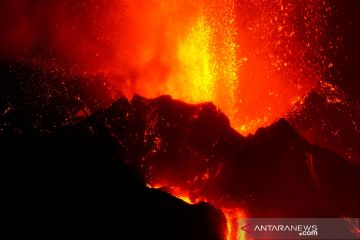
[[254, 67], [252, 58], [235, 217]]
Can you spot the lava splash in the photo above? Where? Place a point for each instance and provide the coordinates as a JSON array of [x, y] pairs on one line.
[[253, 59]]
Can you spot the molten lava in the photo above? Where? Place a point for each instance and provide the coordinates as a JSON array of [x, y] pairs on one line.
[[254, 59], [208, 69], [234, 216]]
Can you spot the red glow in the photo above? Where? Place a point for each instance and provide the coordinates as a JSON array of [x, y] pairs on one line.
[[254, 59], [234, 216]]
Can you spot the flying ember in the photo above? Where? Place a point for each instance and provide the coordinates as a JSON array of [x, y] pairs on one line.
[[255, 60], [252, 59]]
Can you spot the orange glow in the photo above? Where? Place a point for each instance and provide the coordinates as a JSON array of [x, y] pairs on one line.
[[235, 220], [178, 192], [195, 80], [234, 216], [207, 63], [252, 59]]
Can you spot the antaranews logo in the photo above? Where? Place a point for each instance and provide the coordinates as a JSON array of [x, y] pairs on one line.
[[301, 228]]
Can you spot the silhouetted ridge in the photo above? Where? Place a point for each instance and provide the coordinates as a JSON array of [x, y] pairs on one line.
[[89, 173]]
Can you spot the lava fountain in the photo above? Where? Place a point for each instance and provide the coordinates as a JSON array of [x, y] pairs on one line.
[[254, 59]]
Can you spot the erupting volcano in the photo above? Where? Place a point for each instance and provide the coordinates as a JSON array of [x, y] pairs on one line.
[[237, 107], [252, 59]]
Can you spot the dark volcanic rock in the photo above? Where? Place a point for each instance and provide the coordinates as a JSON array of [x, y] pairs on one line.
[[328, 118], [90, 177], [275, 173], [278, 174], [78, 186], [170, 140], [35, 101], [73, 184]]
